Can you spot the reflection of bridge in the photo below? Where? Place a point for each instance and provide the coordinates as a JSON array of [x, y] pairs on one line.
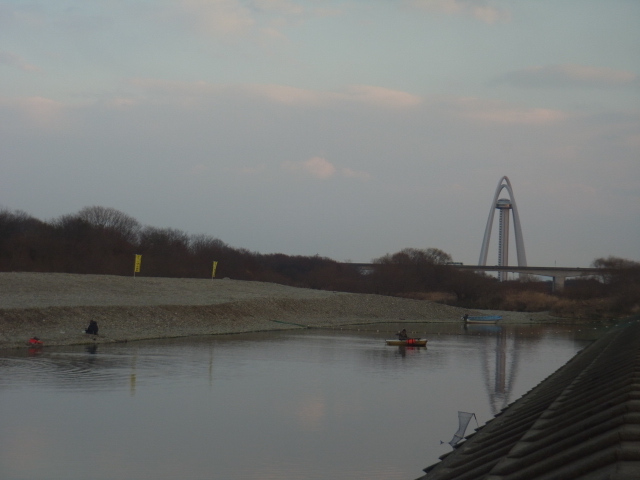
[[500, 368]]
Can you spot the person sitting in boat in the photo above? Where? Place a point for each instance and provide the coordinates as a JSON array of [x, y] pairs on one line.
[[34, 342], [402, 334], [92, 329]]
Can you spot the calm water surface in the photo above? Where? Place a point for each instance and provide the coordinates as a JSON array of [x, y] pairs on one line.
[[296, 405]]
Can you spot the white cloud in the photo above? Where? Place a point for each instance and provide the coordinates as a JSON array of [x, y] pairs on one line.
[[287, 10], [252, 170], [364, 176], [317, 167], [195, 95], [633, 140], [232, 19], [323, 169], [197, 170], [500, 112], [280, 6], [284, 94], [13, 60], [381, 96], [480, 9], [38, 111], [364, 94], [532, 116], [121, 102], [273, 33], [219, 18], [171, 87], [570, 75]]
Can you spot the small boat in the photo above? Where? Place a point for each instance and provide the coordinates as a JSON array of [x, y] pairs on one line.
[[486, 319], [409, 342]]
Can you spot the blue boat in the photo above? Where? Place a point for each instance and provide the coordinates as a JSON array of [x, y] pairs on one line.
[[484, 319]]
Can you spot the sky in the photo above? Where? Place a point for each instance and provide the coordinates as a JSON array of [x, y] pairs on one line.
[[347, 129]]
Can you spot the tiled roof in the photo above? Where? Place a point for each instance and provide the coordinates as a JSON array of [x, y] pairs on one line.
[[582, 422]]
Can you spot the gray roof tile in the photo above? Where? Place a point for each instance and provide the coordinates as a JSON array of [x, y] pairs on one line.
[[582, 422]]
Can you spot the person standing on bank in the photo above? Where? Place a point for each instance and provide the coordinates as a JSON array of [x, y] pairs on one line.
[[92, 329]]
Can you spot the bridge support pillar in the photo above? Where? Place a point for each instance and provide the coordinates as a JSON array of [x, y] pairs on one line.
[[558, 283]]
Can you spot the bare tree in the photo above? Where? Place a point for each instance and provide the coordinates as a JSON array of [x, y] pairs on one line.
[[433, 256], [614, 262], [111, 219], [618, 270], [437, 256], [200, 243], [164, 240]]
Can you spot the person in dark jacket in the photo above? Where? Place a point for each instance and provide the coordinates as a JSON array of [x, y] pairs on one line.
[[92, 329], [402, 334]]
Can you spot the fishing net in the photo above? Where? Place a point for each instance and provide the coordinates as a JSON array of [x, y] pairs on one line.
[[463, 418]]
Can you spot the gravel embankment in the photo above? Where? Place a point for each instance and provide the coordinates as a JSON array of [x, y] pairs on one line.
[[57, 307]]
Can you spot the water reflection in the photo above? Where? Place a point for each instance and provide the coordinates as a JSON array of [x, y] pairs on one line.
[[290, 405], [33, 351], [500, 355], [403, 350], [132, 375]]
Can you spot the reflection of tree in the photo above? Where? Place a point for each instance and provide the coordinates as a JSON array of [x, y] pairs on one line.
[[133, 376]]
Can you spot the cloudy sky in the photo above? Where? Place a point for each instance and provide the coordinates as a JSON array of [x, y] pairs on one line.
[[348, 129]]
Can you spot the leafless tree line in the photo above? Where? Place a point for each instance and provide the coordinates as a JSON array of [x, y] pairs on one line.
[[102, 240]]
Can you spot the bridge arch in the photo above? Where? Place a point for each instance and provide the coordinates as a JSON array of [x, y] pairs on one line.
[[522, 258]]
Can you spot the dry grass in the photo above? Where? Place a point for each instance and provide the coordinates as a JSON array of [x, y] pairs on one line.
[[438, 297], [595, 308], [592, 308], [528, 301]]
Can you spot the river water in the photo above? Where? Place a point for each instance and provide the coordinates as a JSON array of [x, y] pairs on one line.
[[293, 405]]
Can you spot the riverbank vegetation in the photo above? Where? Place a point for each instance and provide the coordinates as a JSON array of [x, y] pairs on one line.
[[101, 240]]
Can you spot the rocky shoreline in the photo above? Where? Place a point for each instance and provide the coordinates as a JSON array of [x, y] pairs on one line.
[[57, 308]]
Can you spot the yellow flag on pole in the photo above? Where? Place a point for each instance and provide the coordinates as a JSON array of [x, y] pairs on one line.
[[215, 265], [136, 266]]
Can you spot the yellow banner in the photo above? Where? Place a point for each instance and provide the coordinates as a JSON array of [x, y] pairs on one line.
[[215, 265], [136, 267]]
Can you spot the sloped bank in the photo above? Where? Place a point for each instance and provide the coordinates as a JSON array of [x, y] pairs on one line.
[[57, 308], [64, 325]]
